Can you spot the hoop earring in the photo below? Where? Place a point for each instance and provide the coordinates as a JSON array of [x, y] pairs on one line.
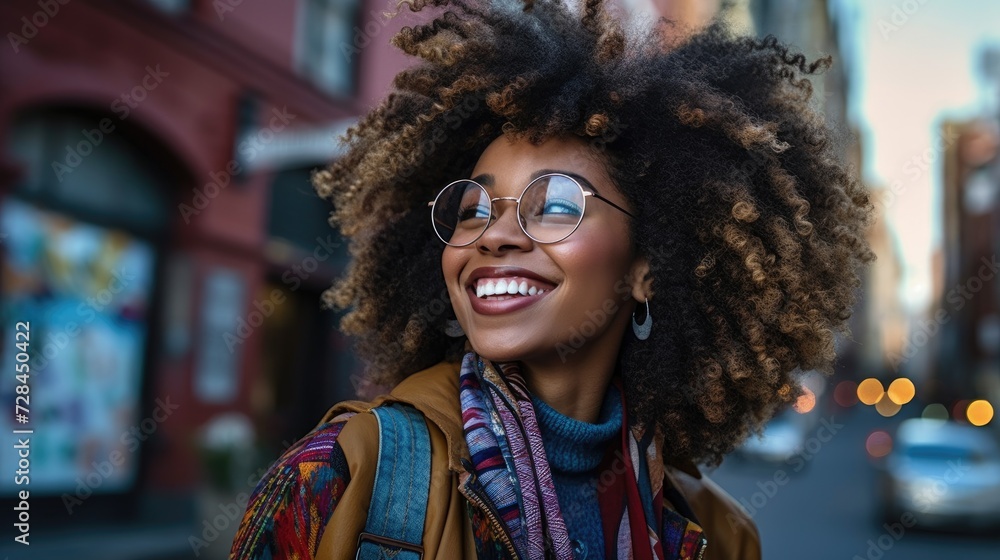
[[453, 329], [642, 331]]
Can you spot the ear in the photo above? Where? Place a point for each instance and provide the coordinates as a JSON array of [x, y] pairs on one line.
[[641, 279]]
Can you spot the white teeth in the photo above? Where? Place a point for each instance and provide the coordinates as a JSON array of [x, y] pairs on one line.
[[503, 287]]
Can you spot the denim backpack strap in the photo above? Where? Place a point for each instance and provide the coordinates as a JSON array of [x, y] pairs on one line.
[[395, 525]]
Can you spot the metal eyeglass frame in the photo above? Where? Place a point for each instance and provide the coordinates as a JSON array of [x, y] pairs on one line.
[[517, 209]]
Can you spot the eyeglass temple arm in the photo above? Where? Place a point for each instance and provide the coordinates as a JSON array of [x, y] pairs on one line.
[[595, 195]]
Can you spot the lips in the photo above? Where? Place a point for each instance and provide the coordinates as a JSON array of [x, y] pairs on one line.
[[497, 290]]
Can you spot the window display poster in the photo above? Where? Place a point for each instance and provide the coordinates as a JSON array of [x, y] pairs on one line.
[[85, 291]]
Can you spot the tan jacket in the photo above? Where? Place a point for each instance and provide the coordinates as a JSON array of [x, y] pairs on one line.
[[731, 534]]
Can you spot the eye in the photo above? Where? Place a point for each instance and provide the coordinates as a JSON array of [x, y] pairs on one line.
[[473, 212], [561, 206]]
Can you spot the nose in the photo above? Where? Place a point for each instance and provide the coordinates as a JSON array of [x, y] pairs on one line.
[[505, 233]]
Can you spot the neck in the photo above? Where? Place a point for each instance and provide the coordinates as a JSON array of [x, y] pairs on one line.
[[575, 381], [570, 393]]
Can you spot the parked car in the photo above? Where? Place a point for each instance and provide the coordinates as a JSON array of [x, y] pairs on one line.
[[943, 474], [784, 437]]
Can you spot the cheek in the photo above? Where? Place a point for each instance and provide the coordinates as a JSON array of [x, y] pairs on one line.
[[449, 264], [597, 255], [452, 261]]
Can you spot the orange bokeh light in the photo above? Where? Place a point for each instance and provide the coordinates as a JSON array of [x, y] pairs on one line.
[[979, 412], [901, 391], [870, 391], [886, 406], [805, 402]]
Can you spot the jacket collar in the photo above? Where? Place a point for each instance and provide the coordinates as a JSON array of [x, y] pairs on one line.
[[435, 392]]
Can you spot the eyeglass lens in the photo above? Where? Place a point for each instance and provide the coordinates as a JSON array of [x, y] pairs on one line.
[[550, 210]]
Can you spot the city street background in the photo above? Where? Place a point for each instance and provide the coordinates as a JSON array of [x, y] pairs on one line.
[[159, 231]]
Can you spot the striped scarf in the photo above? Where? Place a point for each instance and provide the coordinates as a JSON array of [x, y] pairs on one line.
[[506, 450]]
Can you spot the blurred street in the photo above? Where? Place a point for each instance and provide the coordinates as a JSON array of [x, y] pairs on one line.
[[161, 236], [829, 508]]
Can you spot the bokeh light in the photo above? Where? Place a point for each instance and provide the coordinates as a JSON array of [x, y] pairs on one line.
[[979, 412], [878, 444], [806, 401], [846, 393], [901, 391], [870, 391], [935, 411], [958, 411], [886, 407]]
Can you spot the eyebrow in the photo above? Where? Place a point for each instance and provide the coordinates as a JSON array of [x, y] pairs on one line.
[[488, 180]]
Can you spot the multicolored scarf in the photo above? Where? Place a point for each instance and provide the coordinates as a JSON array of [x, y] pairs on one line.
[[507, 454]]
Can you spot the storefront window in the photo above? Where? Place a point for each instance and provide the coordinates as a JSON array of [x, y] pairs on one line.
[[78, 264]]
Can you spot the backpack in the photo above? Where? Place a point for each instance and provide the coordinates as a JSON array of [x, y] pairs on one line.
[[395, 524]]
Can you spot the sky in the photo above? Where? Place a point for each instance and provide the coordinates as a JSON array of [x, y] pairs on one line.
[[915, 63]]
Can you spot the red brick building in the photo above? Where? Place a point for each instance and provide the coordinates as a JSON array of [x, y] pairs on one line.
[[158, 226]]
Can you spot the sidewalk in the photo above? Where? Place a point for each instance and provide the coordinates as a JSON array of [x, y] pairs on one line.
[[141, 542]]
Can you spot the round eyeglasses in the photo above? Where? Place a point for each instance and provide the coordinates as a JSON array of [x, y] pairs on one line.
[[549, 209]]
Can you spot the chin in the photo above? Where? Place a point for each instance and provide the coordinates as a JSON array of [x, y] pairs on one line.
[[501, 352], [495, 354]]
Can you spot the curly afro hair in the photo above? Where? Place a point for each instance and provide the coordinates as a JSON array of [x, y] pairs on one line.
[[753, 228]]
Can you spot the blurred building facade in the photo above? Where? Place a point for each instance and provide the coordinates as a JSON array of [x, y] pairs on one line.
[[154, 192], [160, 232], [967, 362], [817, 29]]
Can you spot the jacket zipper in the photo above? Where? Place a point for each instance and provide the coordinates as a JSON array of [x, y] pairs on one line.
[[702, 545], [492, 514]]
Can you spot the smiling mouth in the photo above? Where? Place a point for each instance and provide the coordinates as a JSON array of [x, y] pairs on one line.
[[498, 289]]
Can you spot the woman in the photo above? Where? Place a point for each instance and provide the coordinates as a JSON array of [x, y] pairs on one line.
[[632, 245]]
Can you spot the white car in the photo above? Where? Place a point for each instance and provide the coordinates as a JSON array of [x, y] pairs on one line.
[[784, 437], [943, 474]]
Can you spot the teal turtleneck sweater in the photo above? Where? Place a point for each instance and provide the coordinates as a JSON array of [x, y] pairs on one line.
[[574, 450]]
